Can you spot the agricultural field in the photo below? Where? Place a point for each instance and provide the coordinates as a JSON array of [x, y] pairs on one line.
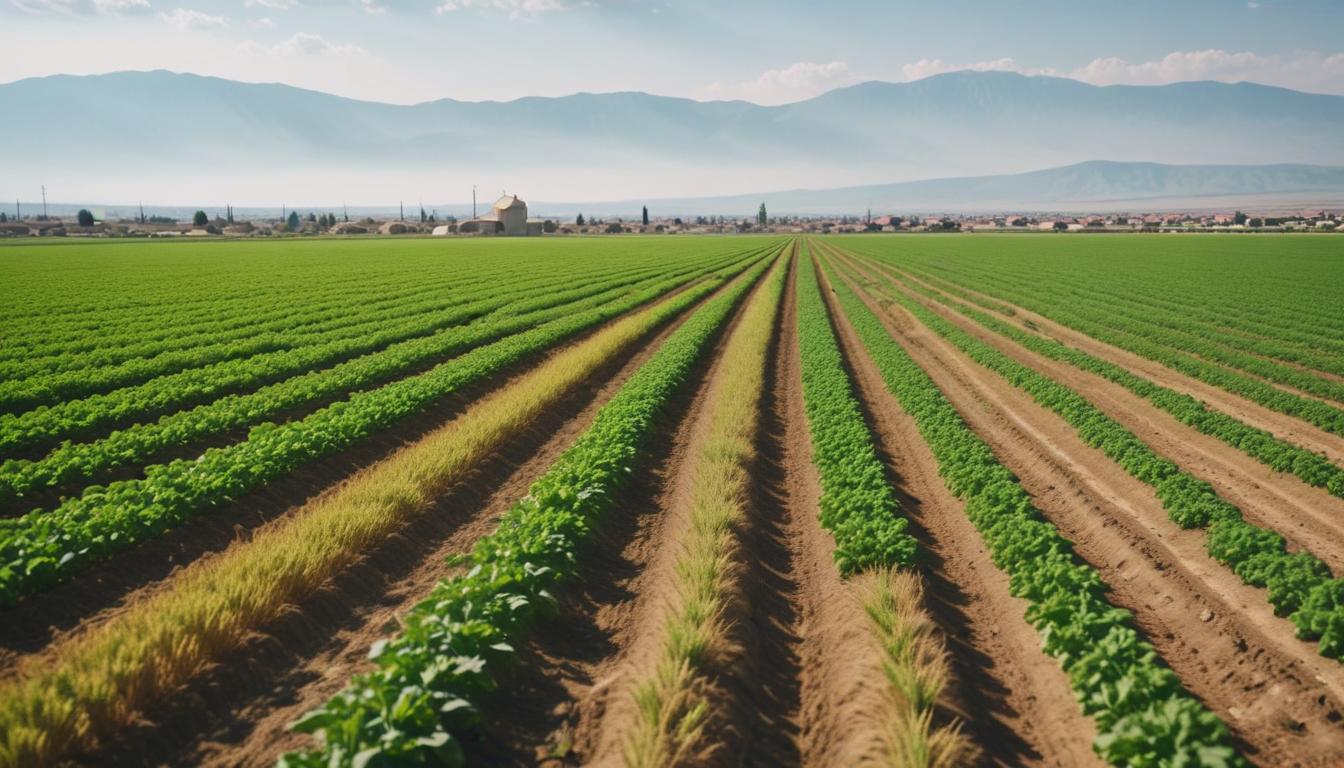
[[911, 500]]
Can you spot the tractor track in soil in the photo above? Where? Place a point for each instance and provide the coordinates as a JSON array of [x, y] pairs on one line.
[[1014, 701], [1281, 425], [1309, 517], [1281, 700]]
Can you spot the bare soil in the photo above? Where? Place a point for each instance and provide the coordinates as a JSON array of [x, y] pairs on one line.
[[1281, 700]]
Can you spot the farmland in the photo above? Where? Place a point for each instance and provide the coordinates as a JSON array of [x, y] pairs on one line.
[[647, 501]]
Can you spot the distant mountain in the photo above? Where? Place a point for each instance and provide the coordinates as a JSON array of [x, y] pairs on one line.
[[1094, 186], [166, 137]]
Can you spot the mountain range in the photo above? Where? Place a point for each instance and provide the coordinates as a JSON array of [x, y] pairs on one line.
[[179, 138]]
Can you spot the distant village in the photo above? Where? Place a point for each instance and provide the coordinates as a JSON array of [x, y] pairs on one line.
[[508, 217]]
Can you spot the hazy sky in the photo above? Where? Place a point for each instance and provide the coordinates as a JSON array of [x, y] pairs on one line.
[[765, 51]]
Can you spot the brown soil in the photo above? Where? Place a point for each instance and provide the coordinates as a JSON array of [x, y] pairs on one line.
[[1281, 700], [574, 668], [104, 590], [1015, 701], [1308, 517], [237, 712], [1286, 427]]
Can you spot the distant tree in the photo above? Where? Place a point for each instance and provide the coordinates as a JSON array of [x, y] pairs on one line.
[[615, 229], [761, 218], [646, 215], [85, 217], [229, 217], [200, 219], [549, 226], [677, 222], [579, 220], [423, 216], [3, 217], [1239, 218], [292, 224], [1060, 226], [312, 217], [1255, 223]]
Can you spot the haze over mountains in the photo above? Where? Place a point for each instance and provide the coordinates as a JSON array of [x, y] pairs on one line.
[[163, 137]]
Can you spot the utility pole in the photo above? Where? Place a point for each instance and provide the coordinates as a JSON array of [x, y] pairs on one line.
[[44, 201], [142, 213], [18, 212], [282, 212], [401, 208], [473, 201]]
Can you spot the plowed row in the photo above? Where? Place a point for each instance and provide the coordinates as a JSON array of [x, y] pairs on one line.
[[675, 585]]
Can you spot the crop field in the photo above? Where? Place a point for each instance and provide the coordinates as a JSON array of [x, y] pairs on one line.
[[909, 500]]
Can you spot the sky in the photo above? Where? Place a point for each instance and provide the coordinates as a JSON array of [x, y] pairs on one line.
[[765, 51]]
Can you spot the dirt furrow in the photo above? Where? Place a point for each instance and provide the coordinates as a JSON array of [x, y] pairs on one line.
[[108, 588], [1281, 700], [576, 666], [1307, 516], [1281, 425], [1014, 700], [237, 711]]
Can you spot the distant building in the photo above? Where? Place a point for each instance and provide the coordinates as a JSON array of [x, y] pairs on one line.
[[508, 216]]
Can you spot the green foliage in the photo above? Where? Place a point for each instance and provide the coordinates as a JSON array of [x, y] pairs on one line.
[[200, 219], [412, 709], [857, 504], [1143, 715]]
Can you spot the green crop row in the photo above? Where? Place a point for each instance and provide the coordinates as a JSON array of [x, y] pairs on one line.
[[88, 462], [220, 378], [857, 504], [77, 377], [43, 426], [1299, 585], [1279, 455], [113, 343], [42, 548], [1144, 717], [413, 707]]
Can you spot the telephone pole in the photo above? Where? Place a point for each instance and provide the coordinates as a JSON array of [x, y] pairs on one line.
[[473, 201], [44, 201]]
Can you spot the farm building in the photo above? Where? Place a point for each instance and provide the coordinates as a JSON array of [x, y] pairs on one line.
[[508, 216]]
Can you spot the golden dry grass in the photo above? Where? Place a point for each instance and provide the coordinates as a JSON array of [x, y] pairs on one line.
[[97, 681]]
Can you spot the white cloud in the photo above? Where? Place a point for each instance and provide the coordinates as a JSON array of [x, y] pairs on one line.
[[81, 7], [1302, 70], [1252, 5], [264, 22], [797, 81], [918, 70], [372, 6], [274, 5], [308, 44], [185, 18], [514, 8]]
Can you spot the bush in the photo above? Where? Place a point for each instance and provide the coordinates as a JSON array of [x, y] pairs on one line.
[[84, 217]]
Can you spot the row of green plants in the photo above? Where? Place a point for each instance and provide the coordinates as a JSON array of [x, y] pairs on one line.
[[1298, 584], [1323, 415], [112, 343], [1215, 346], [42, 548], [1279, 455], [413, 708], [73, 463], [155, 394], [1277, 291], [857, 504], [1144, 716]]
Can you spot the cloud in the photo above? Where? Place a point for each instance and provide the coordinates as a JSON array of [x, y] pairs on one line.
[[514, 8], [265, 22], [372, 6], [918, 70], [1302, 70], [274, 5], [308, 44], [81, 7], [1252, 5], [797, 81], [184, 18]]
